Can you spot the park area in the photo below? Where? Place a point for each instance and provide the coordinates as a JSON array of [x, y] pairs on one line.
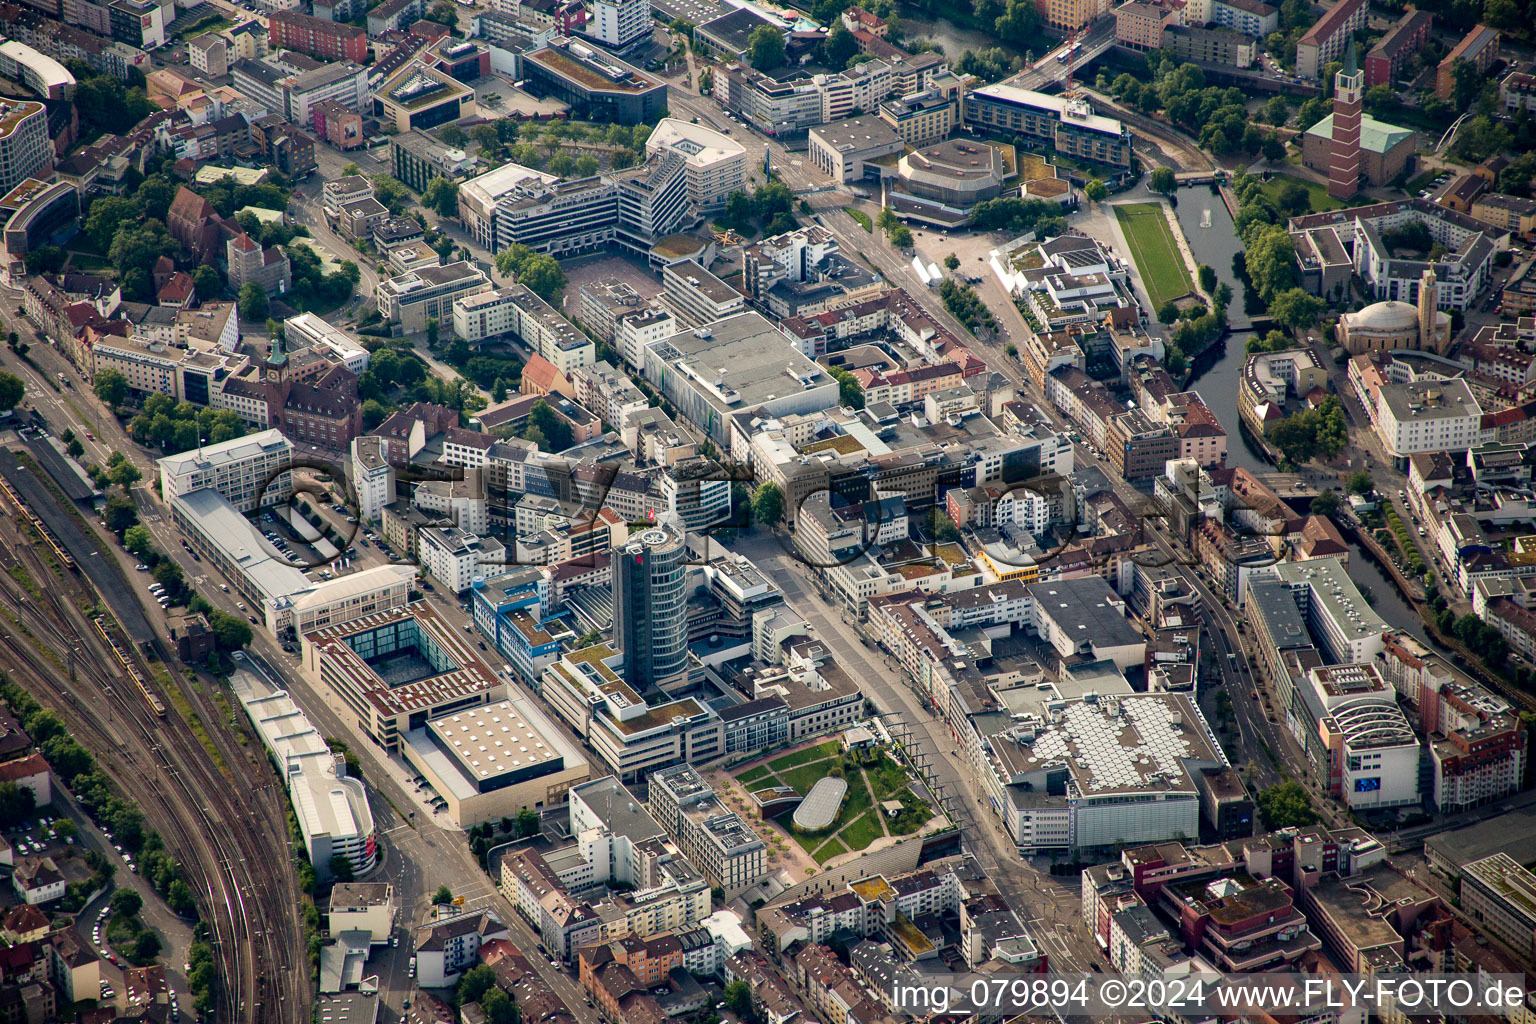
[[1162, 269], [873, 778], [1284, 190]]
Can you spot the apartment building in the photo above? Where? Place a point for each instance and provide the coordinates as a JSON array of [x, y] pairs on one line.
[[1326, 39], [317, 37], [1427, 416]]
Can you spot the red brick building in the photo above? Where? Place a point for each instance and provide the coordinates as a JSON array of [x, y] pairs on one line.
[[327, 40]]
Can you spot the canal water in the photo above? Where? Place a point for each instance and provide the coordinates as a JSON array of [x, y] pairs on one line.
[[1208, 227], [954, 40], [1213, 240]]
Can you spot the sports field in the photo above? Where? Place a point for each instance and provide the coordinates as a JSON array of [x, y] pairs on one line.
[[1152, 247]]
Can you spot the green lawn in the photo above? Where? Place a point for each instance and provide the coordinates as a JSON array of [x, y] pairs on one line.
[[820, 752], [804, 777], [863, 219], [831, 848], [760, 772], [1317, 192], [764, 783], [1153, 248], [862, 831], [858, 798]]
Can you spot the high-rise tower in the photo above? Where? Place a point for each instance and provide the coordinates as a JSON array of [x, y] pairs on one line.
[[1348, 97], [650, 606]]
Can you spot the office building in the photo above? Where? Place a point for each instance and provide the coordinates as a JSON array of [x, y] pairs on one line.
[[396, 670], [1372, 755], [419, 96], [518, 312], [698, 297], [428, 293], [739, 364], [715, 164], [725, 849], [1427, 416], [492, 761], [650, 607], [330, 807], [846, 151], [373, 478], [26, 146], [1068, 124], [1337, 614], [597, 86], [1501, 896], [243, 470]]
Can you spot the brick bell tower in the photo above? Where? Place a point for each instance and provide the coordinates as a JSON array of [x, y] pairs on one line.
[[1344, 157]]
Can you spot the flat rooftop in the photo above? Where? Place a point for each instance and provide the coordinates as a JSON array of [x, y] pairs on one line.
[[1125, 744], [1336, 592], [759, 363]]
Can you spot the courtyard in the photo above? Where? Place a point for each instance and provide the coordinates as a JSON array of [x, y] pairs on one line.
[[873, 778]]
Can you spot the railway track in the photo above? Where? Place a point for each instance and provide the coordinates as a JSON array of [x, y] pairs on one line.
[[227, 828]]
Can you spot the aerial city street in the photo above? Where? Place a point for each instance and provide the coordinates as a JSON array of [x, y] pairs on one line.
[[618, 511]]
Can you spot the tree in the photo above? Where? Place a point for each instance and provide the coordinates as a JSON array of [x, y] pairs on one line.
[[738, 999], [137, 541], [1019, 23], [111, 387], [106, 215], [1361, 483], [551, 426], [474, 983], [765, 48], [126, 903], [443, 896], [886, 220], [432, 332], [341, 868], [207, 282], [1277, 111], [121, 514], [230, 631], [441, 195], [125, 474], [499, 1007], [901, 238], [850, 394], [1168, 312], [16, 804], [1273, 149], [138, 246], [1162, 180], [1295, 309], [1096, 190], [11, 391], [1286, 806], [452, 135], [146, 946], [1207, 277], [168, 574], [543, 276], [768, 503], [1326, 503], [527, 822], [951, 262], [839, 46], [253, 302], [942, 528]]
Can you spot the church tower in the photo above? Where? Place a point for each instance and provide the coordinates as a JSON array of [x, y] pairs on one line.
[[1429, 312], [1344, 158]]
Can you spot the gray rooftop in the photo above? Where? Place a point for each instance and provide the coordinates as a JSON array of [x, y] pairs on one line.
[[618, 809], [1430, 400]]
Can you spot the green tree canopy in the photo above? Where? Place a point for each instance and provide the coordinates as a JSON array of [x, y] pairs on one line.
[[12, 390], [765, 48], [768, 503]]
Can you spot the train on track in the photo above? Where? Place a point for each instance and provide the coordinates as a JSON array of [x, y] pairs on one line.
[[65, 558], [154, 702]]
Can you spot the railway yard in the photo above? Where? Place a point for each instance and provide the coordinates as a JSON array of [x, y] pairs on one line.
[[213, 799]]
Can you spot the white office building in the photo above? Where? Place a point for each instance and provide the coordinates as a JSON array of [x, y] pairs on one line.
[[373, 478], [242, 470], [309, 330], [716, 163], [1427, 416]]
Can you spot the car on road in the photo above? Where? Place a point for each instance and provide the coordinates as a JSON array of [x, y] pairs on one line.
[[1254, 694]]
